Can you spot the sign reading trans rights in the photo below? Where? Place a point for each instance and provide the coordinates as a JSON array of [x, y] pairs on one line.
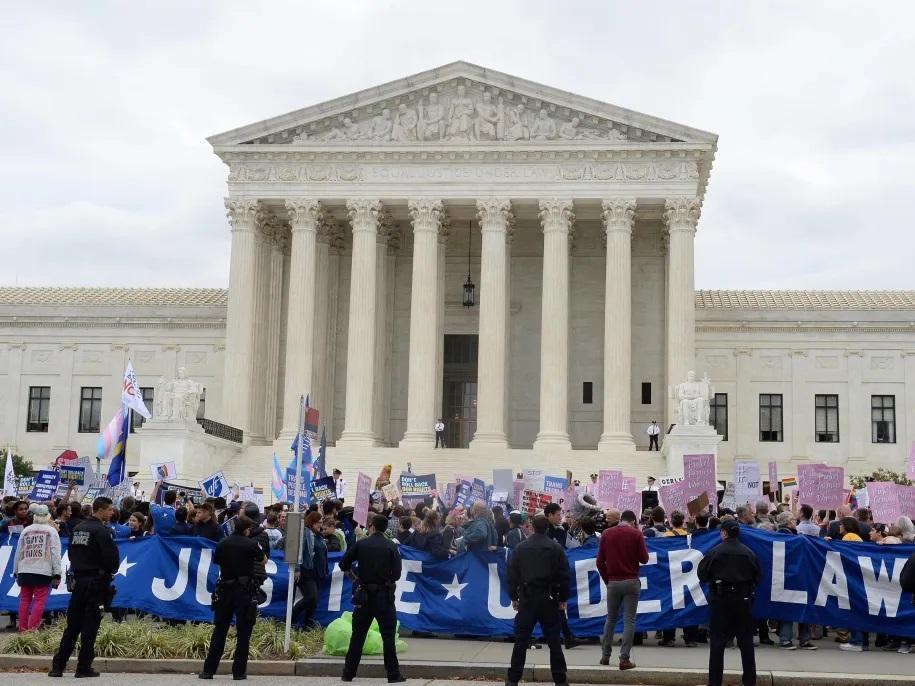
[[804, 579]]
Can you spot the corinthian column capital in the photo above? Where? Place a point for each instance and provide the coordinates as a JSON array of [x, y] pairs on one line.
[[557, 214], [363, 214], [241, 213], [682, 214], [304, 214], [426, 215], [618, 214], [495, 214]]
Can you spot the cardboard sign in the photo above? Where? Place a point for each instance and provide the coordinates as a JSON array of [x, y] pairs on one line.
[[46, 482], [72, 474], [728, 500], [322, 489], [391, 492], [697, 505], [699, 475], [216, 485], [162, 471], [821, 486], [361, 500]]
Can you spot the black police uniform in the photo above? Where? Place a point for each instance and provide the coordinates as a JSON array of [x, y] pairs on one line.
[[378, 568], [538, 578], [94, 560], [732, 572], [235, 595]]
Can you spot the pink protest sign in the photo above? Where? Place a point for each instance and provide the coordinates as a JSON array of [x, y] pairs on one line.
[[910, 467], [906, 495], [821, 485], [627, 485], [629, 501], [361, 502], [773, 477], [608, 485], [699, 476], [884, 501], [517, 490], [673, 497]]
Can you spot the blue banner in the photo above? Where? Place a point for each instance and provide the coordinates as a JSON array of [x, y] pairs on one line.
[[849, 585]]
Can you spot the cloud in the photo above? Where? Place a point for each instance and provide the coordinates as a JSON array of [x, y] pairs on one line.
[[107, 106]]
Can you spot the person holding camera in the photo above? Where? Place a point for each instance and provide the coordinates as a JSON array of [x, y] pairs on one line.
[[377, 569], [235, 596], [538, 585], [94, 560]]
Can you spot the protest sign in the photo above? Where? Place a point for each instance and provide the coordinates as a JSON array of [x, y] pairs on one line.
[[629, 501], [45, 486], [699, 475], [533, 479], [773, 475], [628, 484], [517, 490], [391, 492], [910, 467], [667, 480], [195, 493], [531, 501], [820, 485], [555, 485], [216, 485], [728, 500], [697, 505], [906, 496], [609, 482], [228, 525], [414, 488], [461, 494], [161, 471], [477, 492], [361, 499], [70, 474], [322, 489], [92, 493], [502, 480], [304, 488], [885, 502], [24, 485], [747, 483], [673, 497]]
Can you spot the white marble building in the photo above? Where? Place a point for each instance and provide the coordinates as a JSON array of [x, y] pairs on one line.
[[354, 225]]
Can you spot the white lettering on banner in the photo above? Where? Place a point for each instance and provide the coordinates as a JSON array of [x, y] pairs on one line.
[[267, 586], [680, 579], [173, 592], [494, 596], [880, 587], [201, 592], [779, 593], [404, 585], [5, 553], [583, 571], [833, 582], [335, 596], [64, 568], [646, 606]]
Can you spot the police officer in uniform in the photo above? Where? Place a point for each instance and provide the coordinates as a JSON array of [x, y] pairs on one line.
[[235, 595], [377, 569], [94, 560], [732, 572], [538, 585]]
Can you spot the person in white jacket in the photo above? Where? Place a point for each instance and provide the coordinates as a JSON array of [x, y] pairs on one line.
[[36, 566]]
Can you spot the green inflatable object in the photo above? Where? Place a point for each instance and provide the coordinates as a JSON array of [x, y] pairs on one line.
[[338, 633]]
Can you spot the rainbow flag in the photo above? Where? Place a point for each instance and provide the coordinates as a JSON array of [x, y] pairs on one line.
[[789, 482]]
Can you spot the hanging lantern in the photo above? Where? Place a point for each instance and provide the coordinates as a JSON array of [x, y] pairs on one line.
[[469, 288]]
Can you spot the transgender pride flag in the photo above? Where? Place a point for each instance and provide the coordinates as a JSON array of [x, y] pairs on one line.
[[112, 443]]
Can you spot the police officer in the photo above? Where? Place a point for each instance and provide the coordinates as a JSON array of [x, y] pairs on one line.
[[235, 595], [377, 570], [538, 585], [94, 559], [732, 572]]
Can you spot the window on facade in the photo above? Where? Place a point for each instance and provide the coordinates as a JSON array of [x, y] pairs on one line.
[[770, 417], [202, 407], [718, 414], [587, 392], [827, 418], [646, 393], [883, 419], [39, 405], [148, 393], [90, 409]]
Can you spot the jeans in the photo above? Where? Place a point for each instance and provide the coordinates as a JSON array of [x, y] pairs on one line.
[[786, 632], [857, 638], [32, 600], [623, 594]]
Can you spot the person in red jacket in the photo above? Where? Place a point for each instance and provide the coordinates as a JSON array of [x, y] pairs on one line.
[[621, 550]]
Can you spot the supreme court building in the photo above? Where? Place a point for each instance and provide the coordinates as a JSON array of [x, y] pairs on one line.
[[465, 244]]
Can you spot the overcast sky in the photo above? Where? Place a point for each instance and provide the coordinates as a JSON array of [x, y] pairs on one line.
[[106, 179]]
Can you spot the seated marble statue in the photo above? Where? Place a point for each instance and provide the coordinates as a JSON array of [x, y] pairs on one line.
[[693, 400]]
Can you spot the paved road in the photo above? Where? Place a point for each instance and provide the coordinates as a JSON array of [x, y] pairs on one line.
[[158, 679]]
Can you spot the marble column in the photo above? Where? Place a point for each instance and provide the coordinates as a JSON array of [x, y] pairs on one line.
[[322, 395], [858, 416], [495, 217], [279, 245], [801, 404], [388, 243], [618, 216], [744, 409], [681, 216], [905, 411], [556, 217], [443, 234], [304, 216], [360, 346], [236, 406], [426, 216], [267, 224]]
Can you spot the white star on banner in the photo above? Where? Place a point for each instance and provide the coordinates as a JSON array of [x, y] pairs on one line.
[[454, 588], [125, 567]]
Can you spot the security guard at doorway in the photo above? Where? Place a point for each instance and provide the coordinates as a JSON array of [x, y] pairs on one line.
[[377, 570], [94, 560], [235, 595], [732, 572], [538, 585]]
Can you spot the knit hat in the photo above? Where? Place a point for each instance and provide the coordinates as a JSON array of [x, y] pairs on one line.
[[40, 514]]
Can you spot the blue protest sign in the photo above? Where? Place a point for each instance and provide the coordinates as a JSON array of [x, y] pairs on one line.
[[322, 489], [45, 487], [304, 487], [215, 485], [71, 474]]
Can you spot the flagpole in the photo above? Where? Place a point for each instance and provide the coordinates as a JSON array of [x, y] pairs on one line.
[[290, 587]]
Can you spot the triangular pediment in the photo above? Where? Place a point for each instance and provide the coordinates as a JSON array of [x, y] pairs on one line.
[[461, 104]]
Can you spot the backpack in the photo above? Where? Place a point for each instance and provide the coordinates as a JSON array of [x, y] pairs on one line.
[[907, 576]]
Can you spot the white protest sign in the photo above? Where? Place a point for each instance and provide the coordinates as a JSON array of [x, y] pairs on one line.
[[163, 471], [215, 485], [747, 483], [533, 479]]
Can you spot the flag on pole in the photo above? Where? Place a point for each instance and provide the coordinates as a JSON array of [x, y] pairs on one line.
[[321, 463], [131, 396], [278, 482], [9, 474], [112, 443]]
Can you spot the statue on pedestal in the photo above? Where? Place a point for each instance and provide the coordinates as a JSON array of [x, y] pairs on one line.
[[693, 398], [178, 399]]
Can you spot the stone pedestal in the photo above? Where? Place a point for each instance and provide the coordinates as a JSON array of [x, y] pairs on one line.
[[688, 440], [195, 453]]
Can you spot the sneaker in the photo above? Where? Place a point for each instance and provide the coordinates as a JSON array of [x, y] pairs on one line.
[[787, 646], [904, 649], [807, 645], [626, 663], [851, 648]]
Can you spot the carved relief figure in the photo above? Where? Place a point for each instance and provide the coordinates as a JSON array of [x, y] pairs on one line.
[[693, 399], [431, 125], [460, 116], [516, 129], [382, 126], [490, 121], [405, 121], [543, 127], [572, 131]]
